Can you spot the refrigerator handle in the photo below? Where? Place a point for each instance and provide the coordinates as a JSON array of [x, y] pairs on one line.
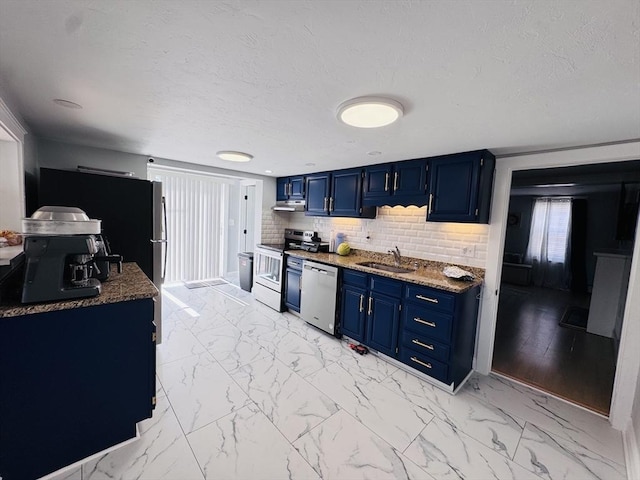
[[164, 231]]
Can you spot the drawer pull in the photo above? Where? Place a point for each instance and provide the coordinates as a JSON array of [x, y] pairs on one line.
[[361, 304], [418, 342], [427, 365], [419, 320], [427, 299]]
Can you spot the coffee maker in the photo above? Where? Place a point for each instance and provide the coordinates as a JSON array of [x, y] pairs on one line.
[[61, 247], [59, 268]]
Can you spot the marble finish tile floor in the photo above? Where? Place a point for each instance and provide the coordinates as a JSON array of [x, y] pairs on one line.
[[245, 392]]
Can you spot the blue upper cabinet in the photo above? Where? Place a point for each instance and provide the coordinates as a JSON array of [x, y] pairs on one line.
[[377, 183], [460, 187], [318, 186], [400, 183], [337, 193], [282, 189], [290, 188]]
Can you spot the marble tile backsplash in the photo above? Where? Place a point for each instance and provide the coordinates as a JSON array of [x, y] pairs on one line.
[[405, 227]]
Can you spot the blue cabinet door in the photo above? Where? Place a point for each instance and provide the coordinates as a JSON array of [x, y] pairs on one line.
[[282, 189], [377, 182], [296, 188], [453, 188], [318, 194], [410, 178], [346, 193], [353, 312], [383, 320], [292, 289]]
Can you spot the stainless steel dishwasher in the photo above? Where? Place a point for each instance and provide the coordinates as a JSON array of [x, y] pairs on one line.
[[318, 295]]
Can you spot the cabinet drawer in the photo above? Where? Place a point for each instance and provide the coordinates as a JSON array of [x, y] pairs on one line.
[[294, 262], [386, 286], [425, 346], [436, 299], [425, 364], [352, 277], [426, 322]]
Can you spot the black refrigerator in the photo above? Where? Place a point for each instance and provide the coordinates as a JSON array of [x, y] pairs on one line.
[[132, 210]]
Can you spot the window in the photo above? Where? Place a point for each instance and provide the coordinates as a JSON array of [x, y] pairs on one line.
[[550, 227]]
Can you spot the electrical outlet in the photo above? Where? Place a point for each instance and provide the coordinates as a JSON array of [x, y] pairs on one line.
[[468, 251]]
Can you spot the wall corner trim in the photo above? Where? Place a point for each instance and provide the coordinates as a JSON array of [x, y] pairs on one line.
[[631, 452], [11, 122]]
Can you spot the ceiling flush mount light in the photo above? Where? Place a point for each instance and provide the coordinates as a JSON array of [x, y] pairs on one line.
[[232, 156], [67, 103], [369, 112], [268, 171]]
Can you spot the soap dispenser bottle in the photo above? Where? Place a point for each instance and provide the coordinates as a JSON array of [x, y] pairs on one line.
[[332, 242]]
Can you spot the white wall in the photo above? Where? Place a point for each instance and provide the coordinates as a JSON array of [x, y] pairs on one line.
[[12, 198], [628, 359], [53, 154]]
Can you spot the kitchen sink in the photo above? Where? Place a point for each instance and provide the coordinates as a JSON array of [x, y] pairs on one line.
[[385, 267]]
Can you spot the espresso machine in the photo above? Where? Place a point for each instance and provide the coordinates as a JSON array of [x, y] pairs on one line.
[[65, 256]]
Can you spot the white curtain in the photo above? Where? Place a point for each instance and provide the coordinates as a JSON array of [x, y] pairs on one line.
[[549, 243], [195, 223]]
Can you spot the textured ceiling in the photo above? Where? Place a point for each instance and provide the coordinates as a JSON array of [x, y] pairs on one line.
[[184, 79]]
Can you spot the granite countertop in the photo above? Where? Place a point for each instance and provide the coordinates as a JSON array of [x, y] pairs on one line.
[[429, 273], [131, 284]]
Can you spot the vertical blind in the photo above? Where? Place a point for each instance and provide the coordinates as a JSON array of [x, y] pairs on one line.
[[195, 223]]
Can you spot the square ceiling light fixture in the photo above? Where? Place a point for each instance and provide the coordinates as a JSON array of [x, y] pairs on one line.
[[370, 112], [232, 156]]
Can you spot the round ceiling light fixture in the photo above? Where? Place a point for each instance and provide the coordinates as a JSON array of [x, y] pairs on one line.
[[370, 112], [232, 156], [67, 103]]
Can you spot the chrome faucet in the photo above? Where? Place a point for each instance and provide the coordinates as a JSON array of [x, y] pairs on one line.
[[396, 256]]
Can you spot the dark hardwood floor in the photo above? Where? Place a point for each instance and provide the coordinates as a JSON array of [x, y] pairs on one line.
[[531, 347]]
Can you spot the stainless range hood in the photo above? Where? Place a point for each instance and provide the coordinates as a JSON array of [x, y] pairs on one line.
[[289, 206]]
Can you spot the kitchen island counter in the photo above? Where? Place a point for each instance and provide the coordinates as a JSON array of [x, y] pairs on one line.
[[131, 284], [429, 273]]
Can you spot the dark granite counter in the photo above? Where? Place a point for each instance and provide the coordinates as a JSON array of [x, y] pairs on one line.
[[131, 284], [429, 273]]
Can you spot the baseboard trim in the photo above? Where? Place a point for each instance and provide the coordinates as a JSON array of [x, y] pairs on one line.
[[631, 452]]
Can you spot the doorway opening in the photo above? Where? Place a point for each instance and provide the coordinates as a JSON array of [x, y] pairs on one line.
[[567, 257], [207, 224]]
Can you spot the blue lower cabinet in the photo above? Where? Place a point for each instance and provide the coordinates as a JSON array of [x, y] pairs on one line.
[[73, 383], [425, 345], [425, 364], [292, 289], [383, 321], [353, 313]]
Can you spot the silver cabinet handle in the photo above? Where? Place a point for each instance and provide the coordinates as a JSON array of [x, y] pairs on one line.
[[331, 204], [419, 320], [395, 181], [418, 342], [370, 306], [361, 303], [324, 205], [430, 202], [427, 299], [386, 181], [427, 365]]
